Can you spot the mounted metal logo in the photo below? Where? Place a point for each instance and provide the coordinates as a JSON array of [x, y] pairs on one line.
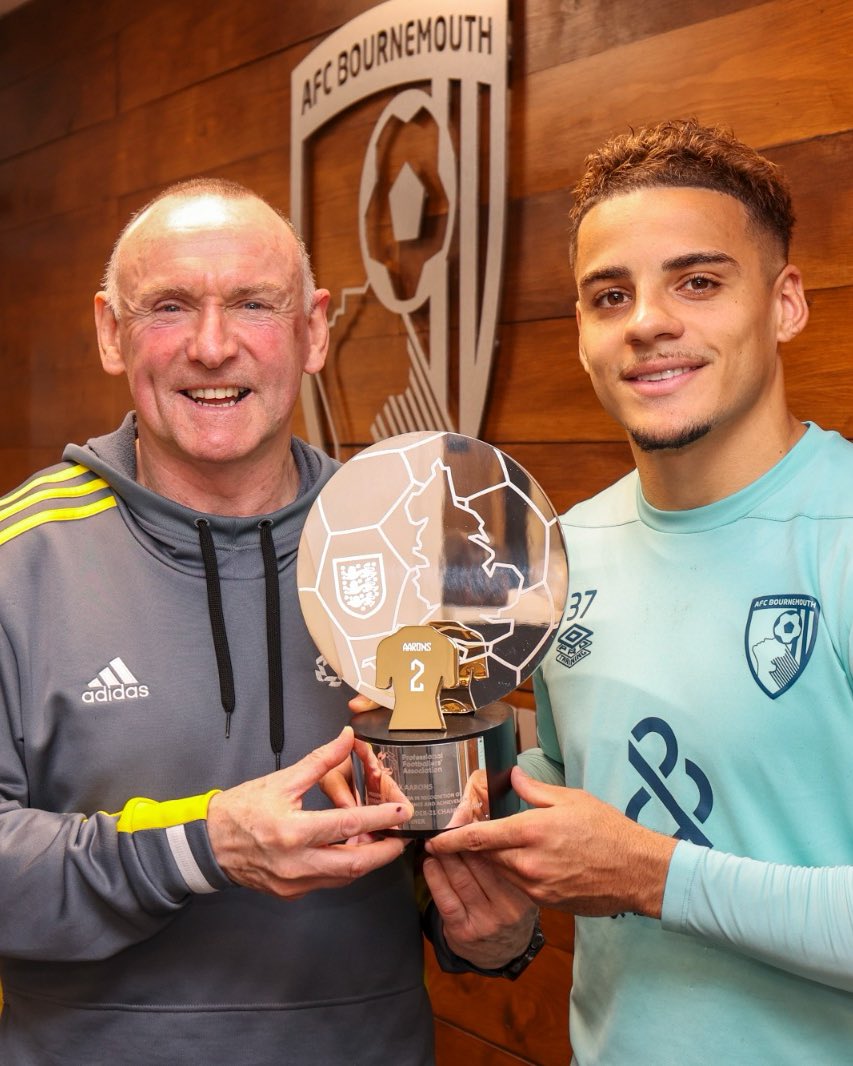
[[411, 111]]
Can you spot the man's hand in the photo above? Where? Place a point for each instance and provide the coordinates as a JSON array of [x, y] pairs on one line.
[[379, 785], [572, 851], [485, 919], [359, 704], [263, 839]]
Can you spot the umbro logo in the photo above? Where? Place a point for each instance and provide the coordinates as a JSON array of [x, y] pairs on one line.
[[115, 682], [573, 644]]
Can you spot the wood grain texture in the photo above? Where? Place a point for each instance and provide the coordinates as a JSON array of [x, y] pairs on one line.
[[77, 92], [527, 1017], [552, 32], [44, 33], [455, 1046], [773, 88], [178, 45]]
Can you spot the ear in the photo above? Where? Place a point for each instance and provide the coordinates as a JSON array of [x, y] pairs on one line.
[[792, 307], [107, 329], [318, 333], [581, 352]]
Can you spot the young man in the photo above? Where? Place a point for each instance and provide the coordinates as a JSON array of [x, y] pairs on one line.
[[698, 703], [152, 646]]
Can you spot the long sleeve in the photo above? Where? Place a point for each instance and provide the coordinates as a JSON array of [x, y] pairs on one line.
[[796, 918], [75, 887], [85, 884]]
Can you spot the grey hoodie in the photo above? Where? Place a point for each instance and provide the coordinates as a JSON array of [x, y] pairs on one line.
[[121, 939]]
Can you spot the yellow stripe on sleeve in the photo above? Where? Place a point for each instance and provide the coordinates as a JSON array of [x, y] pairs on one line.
[[141, 813]]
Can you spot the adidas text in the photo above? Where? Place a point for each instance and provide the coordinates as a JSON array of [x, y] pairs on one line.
[[118, 692]]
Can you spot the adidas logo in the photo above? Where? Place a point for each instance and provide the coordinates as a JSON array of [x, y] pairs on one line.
[[114, 682]]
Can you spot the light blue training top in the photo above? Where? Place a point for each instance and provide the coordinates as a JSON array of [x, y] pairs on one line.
[[701, 682]]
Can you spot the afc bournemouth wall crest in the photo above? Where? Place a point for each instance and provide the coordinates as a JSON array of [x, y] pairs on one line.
[[398, 184]]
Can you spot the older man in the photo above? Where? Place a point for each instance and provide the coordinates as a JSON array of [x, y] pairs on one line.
[[160, 876]]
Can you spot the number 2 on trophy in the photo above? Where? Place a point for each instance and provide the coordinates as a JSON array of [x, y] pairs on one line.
[[415, 683]]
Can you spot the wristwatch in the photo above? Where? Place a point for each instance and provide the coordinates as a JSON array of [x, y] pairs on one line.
[[521, 962]]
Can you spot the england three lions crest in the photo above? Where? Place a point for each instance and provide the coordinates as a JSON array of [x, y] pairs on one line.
[[360, 584], [780, 637], [398, 185]]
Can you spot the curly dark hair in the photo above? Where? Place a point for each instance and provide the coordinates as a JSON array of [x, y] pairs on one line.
[[683, 153]]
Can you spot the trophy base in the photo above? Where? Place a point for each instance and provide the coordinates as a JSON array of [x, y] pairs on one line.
[[452, 777]]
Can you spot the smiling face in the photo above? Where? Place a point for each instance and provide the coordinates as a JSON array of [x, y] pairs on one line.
[[213, 335], [682, 304]]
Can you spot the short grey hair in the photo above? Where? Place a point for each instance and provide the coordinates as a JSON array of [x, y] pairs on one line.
[[228, 190]]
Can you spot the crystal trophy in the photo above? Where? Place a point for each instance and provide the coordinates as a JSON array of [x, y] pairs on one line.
[[432, 575]]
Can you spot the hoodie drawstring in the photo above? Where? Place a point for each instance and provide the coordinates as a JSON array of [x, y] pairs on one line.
[[220, 635], [276, 679], [217, 621]]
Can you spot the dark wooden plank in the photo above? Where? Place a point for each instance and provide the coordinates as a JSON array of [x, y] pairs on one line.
[[207, 126], [455, 1047], [527, 1017], [67, 96], [559, 929], [49, 272], [551, 32], [817, 363], [822, 187], [726, 69], [538, 281], [539, 389], [30, 188], [41, 33], [156, 60]]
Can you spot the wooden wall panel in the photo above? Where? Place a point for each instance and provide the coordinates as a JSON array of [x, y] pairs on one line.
[[456, 1045], [178, 45], [550, 33], [45, 33], [103, 102], [62, 176], [527, 1017], [819, 173], [772, 87], [194, 130], [58, 100], [49, 271]]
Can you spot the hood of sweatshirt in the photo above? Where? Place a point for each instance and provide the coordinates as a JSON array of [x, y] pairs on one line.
[[170, 529], [219, 548]]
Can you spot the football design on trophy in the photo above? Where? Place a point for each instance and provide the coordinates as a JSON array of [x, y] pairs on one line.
[[432, 575], [433, 529]]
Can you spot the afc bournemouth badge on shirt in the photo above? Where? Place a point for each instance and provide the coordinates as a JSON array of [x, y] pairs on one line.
[[780, 637], [398, 185]]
